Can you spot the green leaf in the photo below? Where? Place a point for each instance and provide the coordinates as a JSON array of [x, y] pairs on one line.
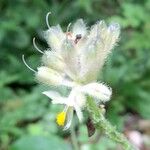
[[40, 143]]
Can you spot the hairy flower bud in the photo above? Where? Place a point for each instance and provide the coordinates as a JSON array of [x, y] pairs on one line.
[[48, 76], [98, 90], [53, 60], [54, 37]]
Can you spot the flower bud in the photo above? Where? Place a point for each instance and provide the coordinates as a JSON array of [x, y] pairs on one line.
[[48, 76], [53, 60], [98, 90], [55, 37]]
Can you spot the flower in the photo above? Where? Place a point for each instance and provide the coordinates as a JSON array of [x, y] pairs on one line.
[[75, 101], [74, 60]]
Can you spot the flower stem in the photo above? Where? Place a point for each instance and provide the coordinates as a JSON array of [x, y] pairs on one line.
[[74, 137], [103, 125]]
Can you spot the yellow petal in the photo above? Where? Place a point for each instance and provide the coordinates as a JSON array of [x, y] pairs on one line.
[[60, 119]]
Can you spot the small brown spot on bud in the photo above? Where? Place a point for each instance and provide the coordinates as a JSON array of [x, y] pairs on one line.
[[78, 37]]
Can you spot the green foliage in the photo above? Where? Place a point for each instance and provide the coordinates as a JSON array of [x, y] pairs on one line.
[[43, 143], [24, 111]]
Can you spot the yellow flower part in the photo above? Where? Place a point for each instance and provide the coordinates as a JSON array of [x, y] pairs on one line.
[[60, 119]]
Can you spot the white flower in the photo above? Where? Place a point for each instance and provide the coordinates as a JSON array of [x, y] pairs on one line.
[[75, 101], [75, 59]]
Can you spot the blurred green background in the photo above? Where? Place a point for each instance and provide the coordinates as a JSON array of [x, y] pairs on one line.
[[26, 116]]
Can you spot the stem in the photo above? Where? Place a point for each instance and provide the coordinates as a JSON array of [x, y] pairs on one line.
[[74, 137], [102, 124]]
